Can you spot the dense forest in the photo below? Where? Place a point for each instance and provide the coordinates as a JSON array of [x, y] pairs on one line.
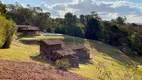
[[116, 32]]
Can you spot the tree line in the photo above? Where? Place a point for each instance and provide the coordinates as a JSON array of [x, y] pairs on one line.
[[116, 32]]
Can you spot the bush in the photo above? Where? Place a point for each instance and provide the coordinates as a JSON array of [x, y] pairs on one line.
[[61, 29], [136, 40], [7, 30], [62, 64]]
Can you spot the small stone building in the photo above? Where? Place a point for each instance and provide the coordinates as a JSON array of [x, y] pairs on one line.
[[56, 49], [28, 30], [69, 55], [48, 46], [81, 51]]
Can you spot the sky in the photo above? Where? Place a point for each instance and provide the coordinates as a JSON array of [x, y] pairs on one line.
[[107, 9]]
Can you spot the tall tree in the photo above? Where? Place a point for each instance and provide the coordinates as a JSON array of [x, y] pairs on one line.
[[7, 28], [82, 19], [69, 18], [93, 29], [121, 20], [93, 26], [3, 10]]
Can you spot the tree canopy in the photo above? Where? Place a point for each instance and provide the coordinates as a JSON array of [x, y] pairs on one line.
[[7, 28]]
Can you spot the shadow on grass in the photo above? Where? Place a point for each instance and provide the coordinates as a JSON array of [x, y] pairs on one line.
[[46, 61], [137, 59], [30, 42], [85, 61], [66, 39], [41, 59], [113, 52], [4, 48], [73, 40], [25, 36]]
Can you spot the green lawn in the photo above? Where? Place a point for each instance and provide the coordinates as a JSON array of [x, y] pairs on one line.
[[106, 63]]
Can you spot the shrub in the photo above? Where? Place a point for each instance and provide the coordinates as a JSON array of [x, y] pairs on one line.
[[136, 40], [7, 30], [61, 29], [62, 64]]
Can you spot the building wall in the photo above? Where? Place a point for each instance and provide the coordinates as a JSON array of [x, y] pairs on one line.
[[47, 50], [73, 61], [44, 50], [20, 29], [33, 33], [82, 54]]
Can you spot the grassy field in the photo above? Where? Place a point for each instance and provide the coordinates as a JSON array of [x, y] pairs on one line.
[[106, 63]]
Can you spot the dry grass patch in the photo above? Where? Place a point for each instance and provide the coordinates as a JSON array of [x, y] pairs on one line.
[[10, 70]]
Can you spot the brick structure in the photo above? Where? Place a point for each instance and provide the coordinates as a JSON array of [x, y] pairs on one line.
[[56, 49], [28, 30]]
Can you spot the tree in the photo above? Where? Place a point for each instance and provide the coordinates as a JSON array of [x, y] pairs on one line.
[[63, 64], [7, 31], [136, 42], [82, 19], [69, 18], [7, 28], [11, 7], [3, 10], [61, 29], [95, 15], [93, 29], [119, 20], [31, 16], [18, 6]]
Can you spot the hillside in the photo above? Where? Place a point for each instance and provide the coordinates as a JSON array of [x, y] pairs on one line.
[[10, 70], [107, 62]]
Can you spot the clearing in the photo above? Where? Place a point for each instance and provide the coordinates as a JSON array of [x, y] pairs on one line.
[[106, 63]]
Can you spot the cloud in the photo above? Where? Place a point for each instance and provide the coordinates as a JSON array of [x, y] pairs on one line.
[[107, 9], [132, 18]]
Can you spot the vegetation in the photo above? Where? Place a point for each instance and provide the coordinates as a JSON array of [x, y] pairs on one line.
[[7, 29], [30, 16], [116, 32], [3, 10], [107, 63], [105, 59], [62, 64]]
